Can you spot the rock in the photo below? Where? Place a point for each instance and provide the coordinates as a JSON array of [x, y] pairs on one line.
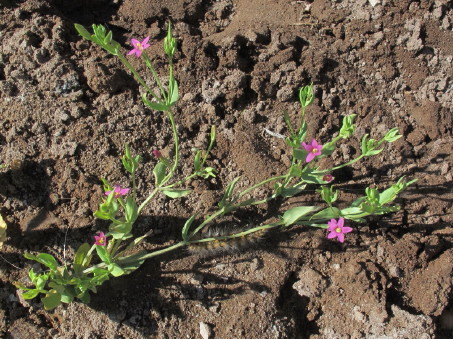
[[285, 93], [210, 90], [310, 284], [205, 330]]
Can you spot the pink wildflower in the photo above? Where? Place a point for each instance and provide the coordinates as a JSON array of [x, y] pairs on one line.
[[328, 178], [100, 239], [337, 229], [118, 191], [139, 47], [157, 154], [313, 150]]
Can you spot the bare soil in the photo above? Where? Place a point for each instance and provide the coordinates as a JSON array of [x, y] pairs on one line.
[[67, 109]]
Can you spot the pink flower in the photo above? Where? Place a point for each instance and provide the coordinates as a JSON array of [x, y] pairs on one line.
[[328, 178], [139, 47], [337, 230], [118, 191], [100, 239], [157, 154], [313, 150]]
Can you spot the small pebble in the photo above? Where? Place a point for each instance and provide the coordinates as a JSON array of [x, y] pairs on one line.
[[205, 330]]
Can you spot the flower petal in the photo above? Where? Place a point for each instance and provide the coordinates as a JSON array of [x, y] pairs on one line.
[[319, 148], [132, 51], [346, 229], [332, 225], [340, 237], [134, 42], [310, 157], [340, 222], [145, 41], [332, 235]]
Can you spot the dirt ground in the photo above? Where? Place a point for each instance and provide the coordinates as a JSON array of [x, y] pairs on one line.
[[67, 109]]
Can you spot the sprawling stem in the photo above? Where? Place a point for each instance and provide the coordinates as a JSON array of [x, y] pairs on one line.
[[156, 77], [268, 180], [176, 140], [147, 200], [137, 76], [339, 166]]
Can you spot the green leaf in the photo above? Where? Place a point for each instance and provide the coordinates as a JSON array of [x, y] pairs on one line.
[[43, 258], [81, 253], [137, 241], [174, 92], [131, 209], [159, 173], [228, 192], [295, 171], [291, 191], [120, 230], [197, 161], [80, 257], [358, 202], [326, 214], [208, 172], [294, 214], [388, 195], [287, 120], [328, 194], [30, 294], [299, 154], [67, 297], [347, 128], [176, 193], [108, 38], [350, 212], [392, 135], [328, 148], [212, 138], [309, 176], [51, 300], [154, 105], [85, 297], [364, 144], [115, 270], [186, 228], [82, 31], [306, 95], [103, 254]]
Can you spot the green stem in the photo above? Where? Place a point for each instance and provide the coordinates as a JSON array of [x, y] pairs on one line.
[[251, 188], [207, 221], [115, 247], [176, 140], [134, 187], [179, 182], [140, 257], [137, 76], [156, 77], [340, 166], [144, 203]]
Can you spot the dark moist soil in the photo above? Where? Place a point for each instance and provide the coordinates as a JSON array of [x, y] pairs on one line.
[[67, 109]]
